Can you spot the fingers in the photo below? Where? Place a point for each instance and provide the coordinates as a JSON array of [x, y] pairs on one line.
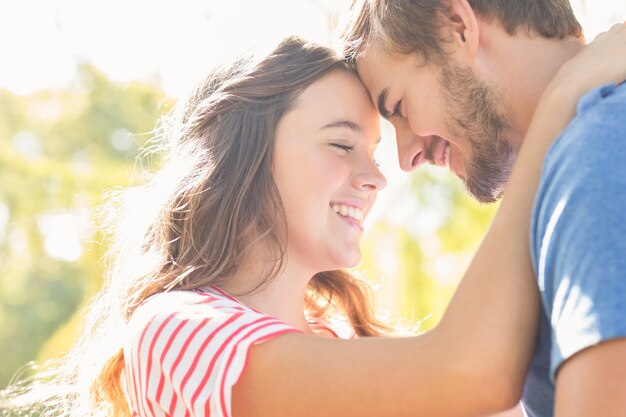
[[616, 28]]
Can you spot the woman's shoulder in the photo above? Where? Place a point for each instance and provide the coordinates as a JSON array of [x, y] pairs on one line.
[[190, 308], [194, 345], [190, 301]]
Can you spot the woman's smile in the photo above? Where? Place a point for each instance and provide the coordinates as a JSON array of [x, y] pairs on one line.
[[350, 214]]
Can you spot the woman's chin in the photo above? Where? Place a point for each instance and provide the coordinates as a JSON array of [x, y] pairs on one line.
[[351, 259]]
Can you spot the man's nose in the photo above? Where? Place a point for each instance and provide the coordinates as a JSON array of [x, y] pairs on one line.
[[411, 147]]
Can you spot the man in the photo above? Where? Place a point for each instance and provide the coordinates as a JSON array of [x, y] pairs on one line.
[[460, 80]]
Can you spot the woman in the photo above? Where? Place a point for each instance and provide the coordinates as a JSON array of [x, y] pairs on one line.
[[220, 300]]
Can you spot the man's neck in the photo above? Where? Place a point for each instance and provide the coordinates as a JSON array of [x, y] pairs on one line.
[[521, 67]]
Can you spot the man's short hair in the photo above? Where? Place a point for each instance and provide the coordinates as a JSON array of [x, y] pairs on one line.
[[414, 26]]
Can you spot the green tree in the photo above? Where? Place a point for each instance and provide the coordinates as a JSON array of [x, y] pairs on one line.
[[417, 259], [59, 151]]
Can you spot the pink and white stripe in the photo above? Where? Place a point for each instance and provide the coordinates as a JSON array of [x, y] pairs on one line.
[[186, 350]]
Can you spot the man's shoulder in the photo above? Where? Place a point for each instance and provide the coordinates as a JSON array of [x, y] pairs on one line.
[[577, 229], [600, 117], [604, 101], [594, 143], [583, 175]]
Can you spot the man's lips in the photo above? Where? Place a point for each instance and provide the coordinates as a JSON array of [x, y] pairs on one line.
[[438, 151]]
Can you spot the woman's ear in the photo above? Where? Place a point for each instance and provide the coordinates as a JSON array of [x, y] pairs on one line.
[[460, 22]]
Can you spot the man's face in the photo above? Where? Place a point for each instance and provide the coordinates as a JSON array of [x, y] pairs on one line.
[[445, 115]]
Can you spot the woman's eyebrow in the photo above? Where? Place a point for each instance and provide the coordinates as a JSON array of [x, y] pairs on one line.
[[346, 124]]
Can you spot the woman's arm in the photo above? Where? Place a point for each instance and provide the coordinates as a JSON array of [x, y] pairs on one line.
[[475, 361]]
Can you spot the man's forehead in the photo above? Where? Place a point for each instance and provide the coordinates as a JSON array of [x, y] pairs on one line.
[[374, 60], [371, 51], [373, 70]]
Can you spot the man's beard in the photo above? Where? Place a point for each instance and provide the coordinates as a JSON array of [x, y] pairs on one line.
[[474, 116]]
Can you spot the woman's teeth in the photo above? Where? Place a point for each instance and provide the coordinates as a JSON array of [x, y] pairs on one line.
[[447, 155], [348, 211]]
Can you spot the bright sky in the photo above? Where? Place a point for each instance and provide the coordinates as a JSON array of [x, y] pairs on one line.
[[174, 41], [171, 41]]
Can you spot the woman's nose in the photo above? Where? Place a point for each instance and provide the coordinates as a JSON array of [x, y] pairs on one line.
[[370, 178]]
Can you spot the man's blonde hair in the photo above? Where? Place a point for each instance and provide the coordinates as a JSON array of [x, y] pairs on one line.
[[415, 26]]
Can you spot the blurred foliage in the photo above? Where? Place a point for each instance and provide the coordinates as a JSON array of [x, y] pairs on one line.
[[417, 253], [60, 150]]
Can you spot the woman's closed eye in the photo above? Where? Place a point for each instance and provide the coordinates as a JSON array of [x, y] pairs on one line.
[[343, 146]]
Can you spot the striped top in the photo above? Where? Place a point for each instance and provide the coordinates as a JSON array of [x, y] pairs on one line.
[[186, 349]]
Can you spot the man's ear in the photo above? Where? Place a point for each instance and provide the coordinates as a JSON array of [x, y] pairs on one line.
[[461, 24]]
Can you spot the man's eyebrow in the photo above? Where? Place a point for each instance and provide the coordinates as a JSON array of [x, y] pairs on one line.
[[382, 99], [346, 124]]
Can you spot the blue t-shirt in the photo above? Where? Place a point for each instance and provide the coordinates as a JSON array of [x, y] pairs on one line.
[[578, 241]]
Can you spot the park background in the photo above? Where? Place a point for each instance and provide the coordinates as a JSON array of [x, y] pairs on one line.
[[82, 84]]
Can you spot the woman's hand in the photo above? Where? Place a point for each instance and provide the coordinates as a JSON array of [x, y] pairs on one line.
[[603, 61]]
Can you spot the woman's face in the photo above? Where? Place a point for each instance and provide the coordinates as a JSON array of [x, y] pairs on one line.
[[325, 171]]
